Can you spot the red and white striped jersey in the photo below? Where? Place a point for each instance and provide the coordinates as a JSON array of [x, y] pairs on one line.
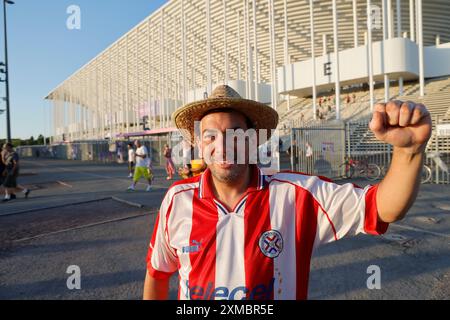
[[262, 248]]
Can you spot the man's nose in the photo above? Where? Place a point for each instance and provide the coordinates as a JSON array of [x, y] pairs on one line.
[[222, 147]]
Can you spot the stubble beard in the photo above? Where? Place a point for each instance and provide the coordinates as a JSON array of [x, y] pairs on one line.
[[229, 176]]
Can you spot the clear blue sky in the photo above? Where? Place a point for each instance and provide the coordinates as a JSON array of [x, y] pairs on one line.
[[43, 52]]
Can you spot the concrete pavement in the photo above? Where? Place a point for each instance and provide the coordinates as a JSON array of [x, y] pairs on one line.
[[108, 240]]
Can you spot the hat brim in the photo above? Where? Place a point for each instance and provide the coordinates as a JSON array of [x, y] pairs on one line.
[[262, 116]]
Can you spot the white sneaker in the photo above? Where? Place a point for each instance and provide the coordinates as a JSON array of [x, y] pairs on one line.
[[149, 188], [130, 189]]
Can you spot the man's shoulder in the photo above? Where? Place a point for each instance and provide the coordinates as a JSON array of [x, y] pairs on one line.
[[185, 184], [297, 178]]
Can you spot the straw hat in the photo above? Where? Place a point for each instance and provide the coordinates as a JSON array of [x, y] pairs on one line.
[[223, 96]]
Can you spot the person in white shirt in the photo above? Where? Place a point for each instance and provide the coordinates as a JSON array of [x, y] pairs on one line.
[[131, 159], [142, 165]]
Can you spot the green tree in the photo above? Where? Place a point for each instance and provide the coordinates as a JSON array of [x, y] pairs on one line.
[[40, 140]]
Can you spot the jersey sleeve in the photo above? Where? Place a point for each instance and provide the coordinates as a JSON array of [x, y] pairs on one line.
[[162, 260], [345, 210]]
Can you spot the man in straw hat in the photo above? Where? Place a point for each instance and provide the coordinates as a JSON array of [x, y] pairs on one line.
[[234, 233]]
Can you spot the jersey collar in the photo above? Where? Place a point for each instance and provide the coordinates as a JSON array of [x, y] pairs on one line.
[[257, 182]]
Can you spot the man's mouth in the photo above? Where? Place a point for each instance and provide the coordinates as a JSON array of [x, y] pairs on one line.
[[224, 164]]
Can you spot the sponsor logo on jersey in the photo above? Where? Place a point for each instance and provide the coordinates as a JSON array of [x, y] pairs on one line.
[[271, 243], [195, 247], [209, 292]]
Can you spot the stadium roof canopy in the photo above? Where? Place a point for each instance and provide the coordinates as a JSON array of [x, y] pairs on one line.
[[166, 55]]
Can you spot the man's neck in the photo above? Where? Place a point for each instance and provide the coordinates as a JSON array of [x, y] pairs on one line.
[[231, 193]]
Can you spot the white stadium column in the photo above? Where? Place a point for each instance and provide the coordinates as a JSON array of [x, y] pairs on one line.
[[239, 47], [272, 54], [249, 53], [194, 66], [399, 35], [390, 20], [313, 58], [110, 104], [183, 39], [286, 47], [355, 24], [420, 36], [208, 48], [137, 94], [412, 20], [417, 22], [255, 46], [225, 42], [150, 81], [336, 64], [370, 54], [127, 107], [385, 10]]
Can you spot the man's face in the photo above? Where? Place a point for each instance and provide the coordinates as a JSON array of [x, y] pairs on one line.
[[138, 144], [213, 145]]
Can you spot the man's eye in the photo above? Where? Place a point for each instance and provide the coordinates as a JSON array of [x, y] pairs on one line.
[[209, 137]]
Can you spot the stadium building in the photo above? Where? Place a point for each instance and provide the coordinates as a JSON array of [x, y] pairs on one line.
[[315, 62]]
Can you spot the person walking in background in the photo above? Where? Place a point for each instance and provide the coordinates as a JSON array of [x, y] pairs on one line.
[[11, 161], [142, 167], [170, 167], [150, 170], [2, 171], [119, 154], [131, 159]]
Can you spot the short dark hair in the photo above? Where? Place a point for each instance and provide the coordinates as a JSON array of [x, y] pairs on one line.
[[248, 122]]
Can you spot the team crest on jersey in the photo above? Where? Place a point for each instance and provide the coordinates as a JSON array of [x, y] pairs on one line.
[[271, 243]]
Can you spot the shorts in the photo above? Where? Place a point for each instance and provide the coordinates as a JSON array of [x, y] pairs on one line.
[[130, 166], [140, 172], [10, 181]]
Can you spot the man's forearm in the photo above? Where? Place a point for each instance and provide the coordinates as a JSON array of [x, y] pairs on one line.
[[398, 190], [155, 289]]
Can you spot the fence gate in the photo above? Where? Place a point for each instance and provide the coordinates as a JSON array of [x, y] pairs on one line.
[[438, 151], [319, 150]]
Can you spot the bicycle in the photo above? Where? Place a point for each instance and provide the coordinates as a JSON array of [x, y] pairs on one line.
[[426, 173], [370, 171]]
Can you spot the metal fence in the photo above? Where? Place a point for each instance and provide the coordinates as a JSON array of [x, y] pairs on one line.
[[95, 151], [319, 149], [330, 149], [438, 151]]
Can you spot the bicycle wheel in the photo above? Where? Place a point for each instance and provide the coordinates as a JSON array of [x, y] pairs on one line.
[[426, 174], [373, 172]]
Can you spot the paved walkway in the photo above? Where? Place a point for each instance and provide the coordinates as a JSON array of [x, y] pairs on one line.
[[80, 214]]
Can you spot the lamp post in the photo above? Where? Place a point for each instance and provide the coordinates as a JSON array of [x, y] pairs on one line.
[[5, 65]]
